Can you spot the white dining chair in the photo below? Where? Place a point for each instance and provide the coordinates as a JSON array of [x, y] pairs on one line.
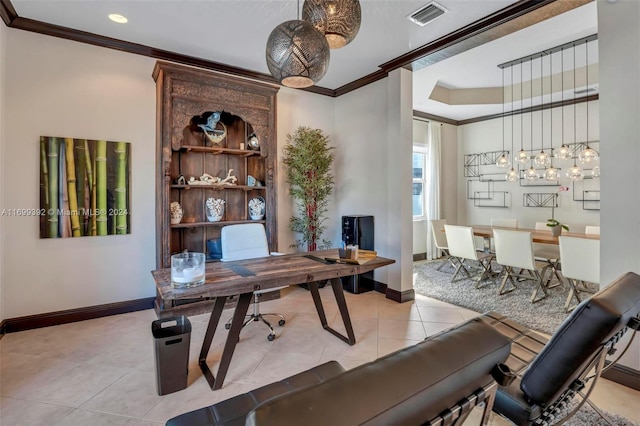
[[514, 251], [592, 230], [462, 247], [549, 253], [440, 239], [504, 223], [580, 265]]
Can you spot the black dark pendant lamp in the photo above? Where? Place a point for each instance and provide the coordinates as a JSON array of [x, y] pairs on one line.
[[338, 20], [297, 54]]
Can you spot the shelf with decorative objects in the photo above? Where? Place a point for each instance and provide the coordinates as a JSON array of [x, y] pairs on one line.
[[219, 223], [220, 187], [216, 151]]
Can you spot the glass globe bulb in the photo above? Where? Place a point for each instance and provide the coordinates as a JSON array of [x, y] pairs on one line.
[[521, 157], [512, 175], [542, 159], [575, 173], [595, 172], [503, 161], [551, 174], [588, 155], [563, 153], [531, 174]]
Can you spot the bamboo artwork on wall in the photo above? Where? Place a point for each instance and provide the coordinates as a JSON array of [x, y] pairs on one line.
[[84, 187]]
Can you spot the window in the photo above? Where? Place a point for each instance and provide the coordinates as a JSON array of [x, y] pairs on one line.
[[419, 181]]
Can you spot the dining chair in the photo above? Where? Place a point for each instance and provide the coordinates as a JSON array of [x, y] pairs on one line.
[[592, 230], [549, 253], [462, 247], [580, 265], [504, 223], [514, 250], [249, 241], [440, 239]]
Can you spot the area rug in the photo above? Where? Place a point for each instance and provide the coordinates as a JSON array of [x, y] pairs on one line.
[[544, 316], [585, 417]]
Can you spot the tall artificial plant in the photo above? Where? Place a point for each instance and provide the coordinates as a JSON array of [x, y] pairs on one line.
[[307, 159]]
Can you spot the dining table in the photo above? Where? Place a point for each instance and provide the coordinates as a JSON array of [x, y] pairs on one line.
[[537, 235]]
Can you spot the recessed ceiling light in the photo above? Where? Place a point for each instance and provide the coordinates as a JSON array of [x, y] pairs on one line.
[[118, 18]]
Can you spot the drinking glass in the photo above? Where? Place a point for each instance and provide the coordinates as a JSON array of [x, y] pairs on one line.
[[187, 269]]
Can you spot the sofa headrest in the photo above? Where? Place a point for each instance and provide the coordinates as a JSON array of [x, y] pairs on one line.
[[575, 344]]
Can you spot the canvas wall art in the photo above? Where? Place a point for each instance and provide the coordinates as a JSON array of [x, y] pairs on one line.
[[85, 187]]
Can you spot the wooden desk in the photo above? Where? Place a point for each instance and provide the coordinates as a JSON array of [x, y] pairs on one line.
[[241, 278], [538, 236]]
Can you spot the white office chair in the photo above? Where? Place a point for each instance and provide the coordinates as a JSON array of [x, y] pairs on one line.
[[461, 247], [549, 253], [580, 265], [514, 249], [248, 241], [440, 239], [592, 230]]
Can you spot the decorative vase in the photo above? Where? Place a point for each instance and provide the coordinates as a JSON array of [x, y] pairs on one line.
[[257, 208], [176, 213], [214, 208], [556, 230]]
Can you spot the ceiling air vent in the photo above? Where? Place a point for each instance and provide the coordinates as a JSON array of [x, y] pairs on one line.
[[427, 14]]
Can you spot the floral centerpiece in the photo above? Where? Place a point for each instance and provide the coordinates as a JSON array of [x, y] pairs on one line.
[[555, 225], [215, 209]]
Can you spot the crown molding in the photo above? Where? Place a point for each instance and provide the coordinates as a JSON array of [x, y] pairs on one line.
[[414, 59], [7, 12]]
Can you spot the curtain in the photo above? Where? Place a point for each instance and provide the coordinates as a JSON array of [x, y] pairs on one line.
[[433, 185]]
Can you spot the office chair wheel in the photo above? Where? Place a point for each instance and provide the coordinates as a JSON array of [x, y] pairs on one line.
[[227, 326], [281, 322], [271, 337]]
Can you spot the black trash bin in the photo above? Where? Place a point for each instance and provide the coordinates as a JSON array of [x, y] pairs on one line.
[[171, 340]]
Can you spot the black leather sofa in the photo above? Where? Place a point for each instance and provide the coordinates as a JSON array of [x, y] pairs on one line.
[[552, 371], [439, 379]]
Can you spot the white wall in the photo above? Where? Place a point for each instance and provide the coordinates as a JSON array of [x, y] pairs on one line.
[[298, 108], [365, 168], [3, 64], [619, 33], [486, 136], [57, 87], [361, 160]]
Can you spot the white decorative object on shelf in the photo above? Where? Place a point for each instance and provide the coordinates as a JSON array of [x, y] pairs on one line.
[[176, 212], [214, 209], [256, 208], [207, 179]]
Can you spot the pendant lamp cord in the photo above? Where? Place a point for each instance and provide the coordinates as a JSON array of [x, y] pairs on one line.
[[531, 106], [575, 138], [586, 55], [551, 106], [512, 118]]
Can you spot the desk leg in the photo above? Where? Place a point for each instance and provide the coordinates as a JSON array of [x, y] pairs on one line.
[[338, 292], [232, 338]]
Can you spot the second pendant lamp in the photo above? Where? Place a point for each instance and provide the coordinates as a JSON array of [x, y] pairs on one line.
[[338, 20]]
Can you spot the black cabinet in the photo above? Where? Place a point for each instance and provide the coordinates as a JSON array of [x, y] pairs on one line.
[[358, 230]]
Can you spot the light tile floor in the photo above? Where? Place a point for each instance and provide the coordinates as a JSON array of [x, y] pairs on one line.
[[102, 371]]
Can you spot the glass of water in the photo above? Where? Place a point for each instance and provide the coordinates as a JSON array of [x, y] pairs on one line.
[[187, 269]]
